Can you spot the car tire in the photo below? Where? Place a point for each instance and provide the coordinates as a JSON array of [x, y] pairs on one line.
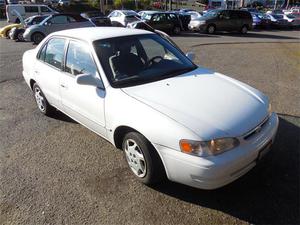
[[41, 101], [19, 36], [176, 30], [37, 37], [244, 29], [143, 159], [211, 29]]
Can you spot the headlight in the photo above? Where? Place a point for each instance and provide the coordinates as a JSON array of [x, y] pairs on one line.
[[206, 148]]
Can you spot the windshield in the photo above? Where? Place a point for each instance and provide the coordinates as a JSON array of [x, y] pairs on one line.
[[139, 59]]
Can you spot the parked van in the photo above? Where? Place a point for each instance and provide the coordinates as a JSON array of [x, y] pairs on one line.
[[26, 10]]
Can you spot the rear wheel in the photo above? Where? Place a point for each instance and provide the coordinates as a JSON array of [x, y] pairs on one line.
[[142, 158], [37, 37], [211, 29], [176, 30], [244, 29], [41, 101]]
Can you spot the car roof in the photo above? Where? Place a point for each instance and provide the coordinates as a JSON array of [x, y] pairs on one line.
[[91, 34]]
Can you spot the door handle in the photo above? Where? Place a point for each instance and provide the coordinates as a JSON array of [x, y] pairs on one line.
[[63, 86]]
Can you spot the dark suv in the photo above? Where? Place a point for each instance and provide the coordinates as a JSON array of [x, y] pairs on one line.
[[223, 20]]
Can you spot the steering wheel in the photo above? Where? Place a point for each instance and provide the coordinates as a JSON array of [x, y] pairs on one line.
[[153, 60]]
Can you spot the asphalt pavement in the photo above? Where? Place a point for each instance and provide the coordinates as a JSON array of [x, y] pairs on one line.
[[55, 171]]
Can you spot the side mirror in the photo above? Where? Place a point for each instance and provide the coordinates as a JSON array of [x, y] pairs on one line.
[[88, 79], [191, 56]]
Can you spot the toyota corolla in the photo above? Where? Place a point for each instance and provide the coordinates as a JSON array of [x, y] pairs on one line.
[[170, 117]]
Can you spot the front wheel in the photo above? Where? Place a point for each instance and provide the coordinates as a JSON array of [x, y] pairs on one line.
[[142, 158], [176, 30]]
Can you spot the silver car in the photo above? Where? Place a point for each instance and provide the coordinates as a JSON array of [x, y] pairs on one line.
[[57, 22]]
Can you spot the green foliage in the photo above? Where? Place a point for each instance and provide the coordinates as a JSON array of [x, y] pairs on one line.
[[130, 4]]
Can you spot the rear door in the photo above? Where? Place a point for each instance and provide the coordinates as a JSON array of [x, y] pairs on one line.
[[85, 103], [235, 22], [48, 69]]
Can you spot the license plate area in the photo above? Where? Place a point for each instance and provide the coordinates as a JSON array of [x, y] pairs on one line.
[[264, 151]]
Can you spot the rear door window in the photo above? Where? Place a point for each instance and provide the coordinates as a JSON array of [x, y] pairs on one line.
[[54, 54], [31, 9]]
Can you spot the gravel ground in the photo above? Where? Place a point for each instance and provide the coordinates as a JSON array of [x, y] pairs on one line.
[[55, 171]]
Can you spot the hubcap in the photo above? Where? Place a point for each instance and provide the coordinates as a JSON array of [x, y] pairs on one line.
[[38, 38], [39, 99], [244, 30], [20, 36], [135, 158], [211, 29], [176, 30]]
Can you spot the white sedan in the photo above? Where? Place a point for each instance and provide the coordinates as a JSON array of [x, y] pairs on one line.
[[141, 93]]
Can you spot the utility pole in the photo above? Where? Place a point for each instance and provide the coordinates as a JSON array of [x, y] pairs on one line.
[[102, 6]]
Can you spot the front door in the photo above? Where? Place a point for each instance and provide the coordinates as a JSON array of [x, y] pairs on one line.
[[84, 103]]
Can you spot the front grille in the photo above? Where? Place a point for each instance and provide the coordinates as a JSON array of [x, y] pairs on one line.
[[257, 129]]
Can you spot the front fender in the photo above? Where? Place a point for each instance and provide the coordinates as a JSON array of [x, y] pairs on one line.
[[124, 110]]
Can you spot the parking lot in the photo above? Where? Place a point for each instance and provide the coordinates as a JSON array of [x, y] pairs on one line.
[[55, 171]]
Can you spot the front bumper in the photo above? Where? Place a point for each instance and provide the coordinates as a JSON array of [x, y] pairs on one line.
[[216, 171]]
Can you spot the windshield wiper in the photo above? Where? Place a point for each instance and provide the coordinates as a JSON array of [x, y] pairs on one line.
[[127, 79], [179, 71]]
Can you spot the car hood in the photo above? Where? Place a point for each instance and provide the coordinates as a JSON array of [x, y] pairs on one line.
[[210, 104]]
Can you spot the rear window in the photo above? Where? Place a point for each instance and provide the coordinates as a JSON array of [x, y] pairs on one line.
[[31, 9]]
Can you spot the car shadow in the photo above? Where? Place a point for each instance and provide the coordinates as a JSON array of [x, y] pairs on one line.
[[263, 36], [251, 34], [58, 115], [269, 194]]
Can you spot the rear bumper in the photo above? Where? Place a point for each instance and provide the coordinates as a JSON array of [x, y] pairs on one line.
[[216, 171]]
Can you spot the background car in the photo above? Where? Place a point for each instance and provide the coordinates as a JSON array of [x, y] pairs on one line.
[[122, 17], [260, 20], [97, 18], [277, 21], [223, 20], [16, 33], [4, 31], [26, 10], [64, 2], [36, 33], [164, 21]]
